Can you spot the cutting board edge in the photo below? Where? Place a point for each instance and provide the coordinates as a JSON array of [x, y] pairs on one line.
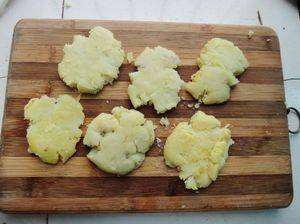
[[5, 209], [283, 203], [20, 22]]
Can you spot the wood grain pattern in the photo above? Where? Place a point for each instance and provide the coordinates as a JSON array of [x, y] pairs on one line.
[[257, 173]]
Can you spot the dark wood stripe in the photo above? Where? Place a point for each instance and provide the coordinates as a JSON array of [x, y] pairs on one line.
[[139, 186], [138, 38], [231, 109], [243, 146], [54, 53], [29, 70]]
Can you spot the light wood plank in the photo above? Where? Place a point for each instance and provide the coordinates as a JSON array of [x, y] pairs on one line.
[[152, 166], [54, 54], [241, 127], [147, 26], [243, 146]]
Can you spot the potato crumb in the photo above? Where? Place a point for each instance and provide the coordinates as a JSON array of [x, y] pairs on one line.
[[197, 105], [68, 5], [158, 142], [250, 34], [107, 101], [130, 57], [78, 97], [268, 40], [190, 105], [164, 121], [268, 132], [183, 206], [227, 126]]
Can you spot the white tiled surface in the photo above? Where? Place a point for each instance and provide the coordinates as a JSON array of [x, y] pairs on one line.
[[282, 15]]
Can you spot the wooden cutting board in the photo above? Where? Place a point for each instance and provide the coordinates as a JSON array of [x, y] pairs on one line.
[[257, 173]]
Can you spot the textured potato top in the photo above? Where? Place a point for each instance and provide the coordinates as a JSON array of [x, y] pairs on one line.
[[211, 84], [198, 149], [220, 61], [156, 82], [53, 130], [222, 53], [91, 62], [119, 140]]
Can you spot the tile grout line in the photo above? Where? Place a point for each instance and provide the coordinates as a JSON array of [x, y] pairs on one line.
[[259, 18], [63, 9], [291, 79]]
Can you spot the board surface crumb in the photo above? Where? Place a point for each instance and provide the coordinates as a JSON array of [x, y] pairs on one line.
[[129, 57], [164, 121], [197, 105], [250, 34]]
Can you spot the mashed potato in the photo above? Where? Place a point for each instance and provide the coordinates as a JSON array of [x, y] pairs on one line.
[[91, 62], [54, 127], [119, 140], [198, 149], [156, 82]]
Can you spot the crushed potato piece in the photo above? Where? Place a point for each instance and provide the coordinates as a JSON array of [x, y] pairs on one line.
[[220, 61], [91, 62], [198, 149], [54, 127], [222, 53], [156, 82], [211, 85], [119, 140]]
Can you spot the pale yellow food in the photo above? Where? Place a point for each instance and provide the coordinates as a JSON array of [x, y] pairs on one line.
[[119, 140], [54, 127], [156, 82], [220, 61], [211, 85], [129, 57], [164, 121], [198, 149], [222, 53], [91, 62]]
